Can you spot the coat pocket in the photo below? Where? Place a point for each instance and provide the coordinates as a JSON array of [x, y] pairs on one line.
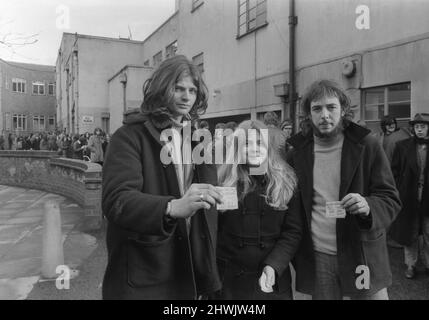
[[376, 259], [150, 263]]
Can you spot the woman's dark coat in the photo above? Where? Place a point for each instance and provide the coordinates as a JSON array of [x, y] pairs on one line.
[[148, 257], [251, 237], [405, 168]]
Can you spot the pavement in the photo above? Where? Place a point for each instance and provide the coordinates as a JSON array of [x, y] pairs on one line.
[[21, 230], [21, 239]]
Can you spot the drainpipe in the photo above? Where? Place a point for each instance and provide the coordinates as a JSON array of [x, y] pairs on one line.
[[293, 21], [76, 93]]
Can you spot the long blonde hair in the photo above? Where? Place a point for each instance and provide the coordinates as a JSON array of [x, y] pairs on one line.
[[281, 179]]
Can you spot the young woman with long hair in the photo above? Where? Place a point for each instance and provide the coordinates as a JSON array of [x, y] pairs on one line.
[[257, 241]]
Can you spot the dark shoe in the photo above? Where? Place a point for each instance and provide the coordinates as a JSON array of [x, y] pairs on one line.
[[410, 273]]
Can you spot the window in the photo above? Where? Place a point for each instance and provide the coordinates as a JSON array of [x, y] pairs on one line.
[[38, 88], [19, 122], [171, 50], [393, 100], [39, 123], [251, 15], [196, 4], [146, 63], [198, 60], [51, 121], [157, 59], [18, 85], [51, 89]]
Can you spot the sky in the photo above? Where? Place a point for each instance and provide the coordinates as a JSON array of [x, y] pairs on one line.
[[37, 25]]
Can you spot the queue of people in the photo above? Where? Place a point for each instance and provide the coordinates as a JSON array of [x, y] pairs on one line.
[[87, 146], [324, 201]]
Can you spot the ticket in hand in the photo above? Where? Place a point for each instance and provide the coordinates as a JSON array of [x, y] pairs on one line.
[[334, 209], [229, 196]]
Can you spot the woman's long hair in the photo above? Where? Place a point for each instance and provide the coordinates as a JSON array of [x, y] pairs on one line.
[[158, 91], [280, 177]]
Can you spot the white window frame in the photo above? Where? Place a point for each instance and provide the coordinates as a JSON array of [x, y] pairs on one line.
[[37, 122], [51, 85], [38, 85], [171, 49], [385, 102], [250, 17], [21, 122], [20, 85]]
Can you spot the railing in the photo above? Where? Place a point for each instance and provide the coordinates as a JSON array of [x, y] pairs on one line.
[[44, 170]]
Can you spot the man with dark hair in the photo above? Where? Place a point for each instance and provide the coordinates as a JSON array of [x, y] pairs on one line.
[[410, 167], [162, 217], [348, 198]]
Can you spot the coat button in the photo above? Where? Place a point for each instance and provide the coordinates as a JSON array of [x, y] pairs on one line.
[[180, 238], [241, 245], [262, 245], [203, 236]]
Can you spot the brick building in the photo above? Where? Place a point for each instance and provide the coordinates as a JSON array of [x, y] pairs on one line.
[[27, 97]]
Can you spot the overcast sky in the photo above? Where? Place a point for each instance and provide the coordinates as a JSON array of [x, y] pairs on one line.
[[21, 19]]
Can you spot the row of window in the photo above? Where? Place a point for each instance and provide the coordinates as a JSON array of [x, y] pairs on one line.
[[19, 85], [170, 51], [19, 122]]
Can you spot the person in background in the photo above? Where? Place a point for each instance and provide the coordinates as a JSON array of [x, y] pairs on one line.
[[271, 120], [77, 147], [257, 241], [410, 166], [388, 125], [95, 146], [286, 127], [44, 142]]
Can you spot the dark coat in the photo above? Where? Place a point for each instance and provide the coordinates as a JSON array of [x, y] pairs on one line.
[[405, 168], [148, 256], [251, 237], [360, 241]]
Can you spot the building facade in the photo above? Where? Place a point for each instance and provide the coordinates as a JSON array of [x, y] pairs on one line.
[[83, 69], [377, 50], [27, 98]]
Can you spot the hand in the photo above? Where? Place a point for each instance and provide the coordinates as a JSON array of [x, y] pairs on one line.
[[267, 279], [199, 196], [354, 203]]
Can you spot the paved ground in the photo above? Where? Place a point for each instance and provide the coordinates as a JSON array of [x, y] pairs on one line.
[[21, 238], [21, 219]]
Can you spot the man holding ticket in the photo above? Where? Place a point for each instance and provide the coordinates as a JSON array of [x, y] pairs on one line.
[[162, 217], [349, 199], [258, 235]]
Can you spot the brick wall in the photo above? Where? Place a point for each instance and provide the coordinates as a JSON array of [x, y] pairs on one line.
[[43, 170]]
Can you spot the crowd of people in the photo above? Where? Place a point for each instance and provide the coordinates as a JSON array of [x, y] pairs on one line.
[[87, 146]]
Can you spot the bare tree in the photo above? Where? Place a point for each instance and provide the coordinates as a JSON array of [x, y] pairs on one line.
[[13, 40]]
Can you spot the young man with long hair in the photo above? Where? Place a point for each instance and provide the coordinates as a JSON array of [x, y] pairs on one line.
[[162, 218]]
